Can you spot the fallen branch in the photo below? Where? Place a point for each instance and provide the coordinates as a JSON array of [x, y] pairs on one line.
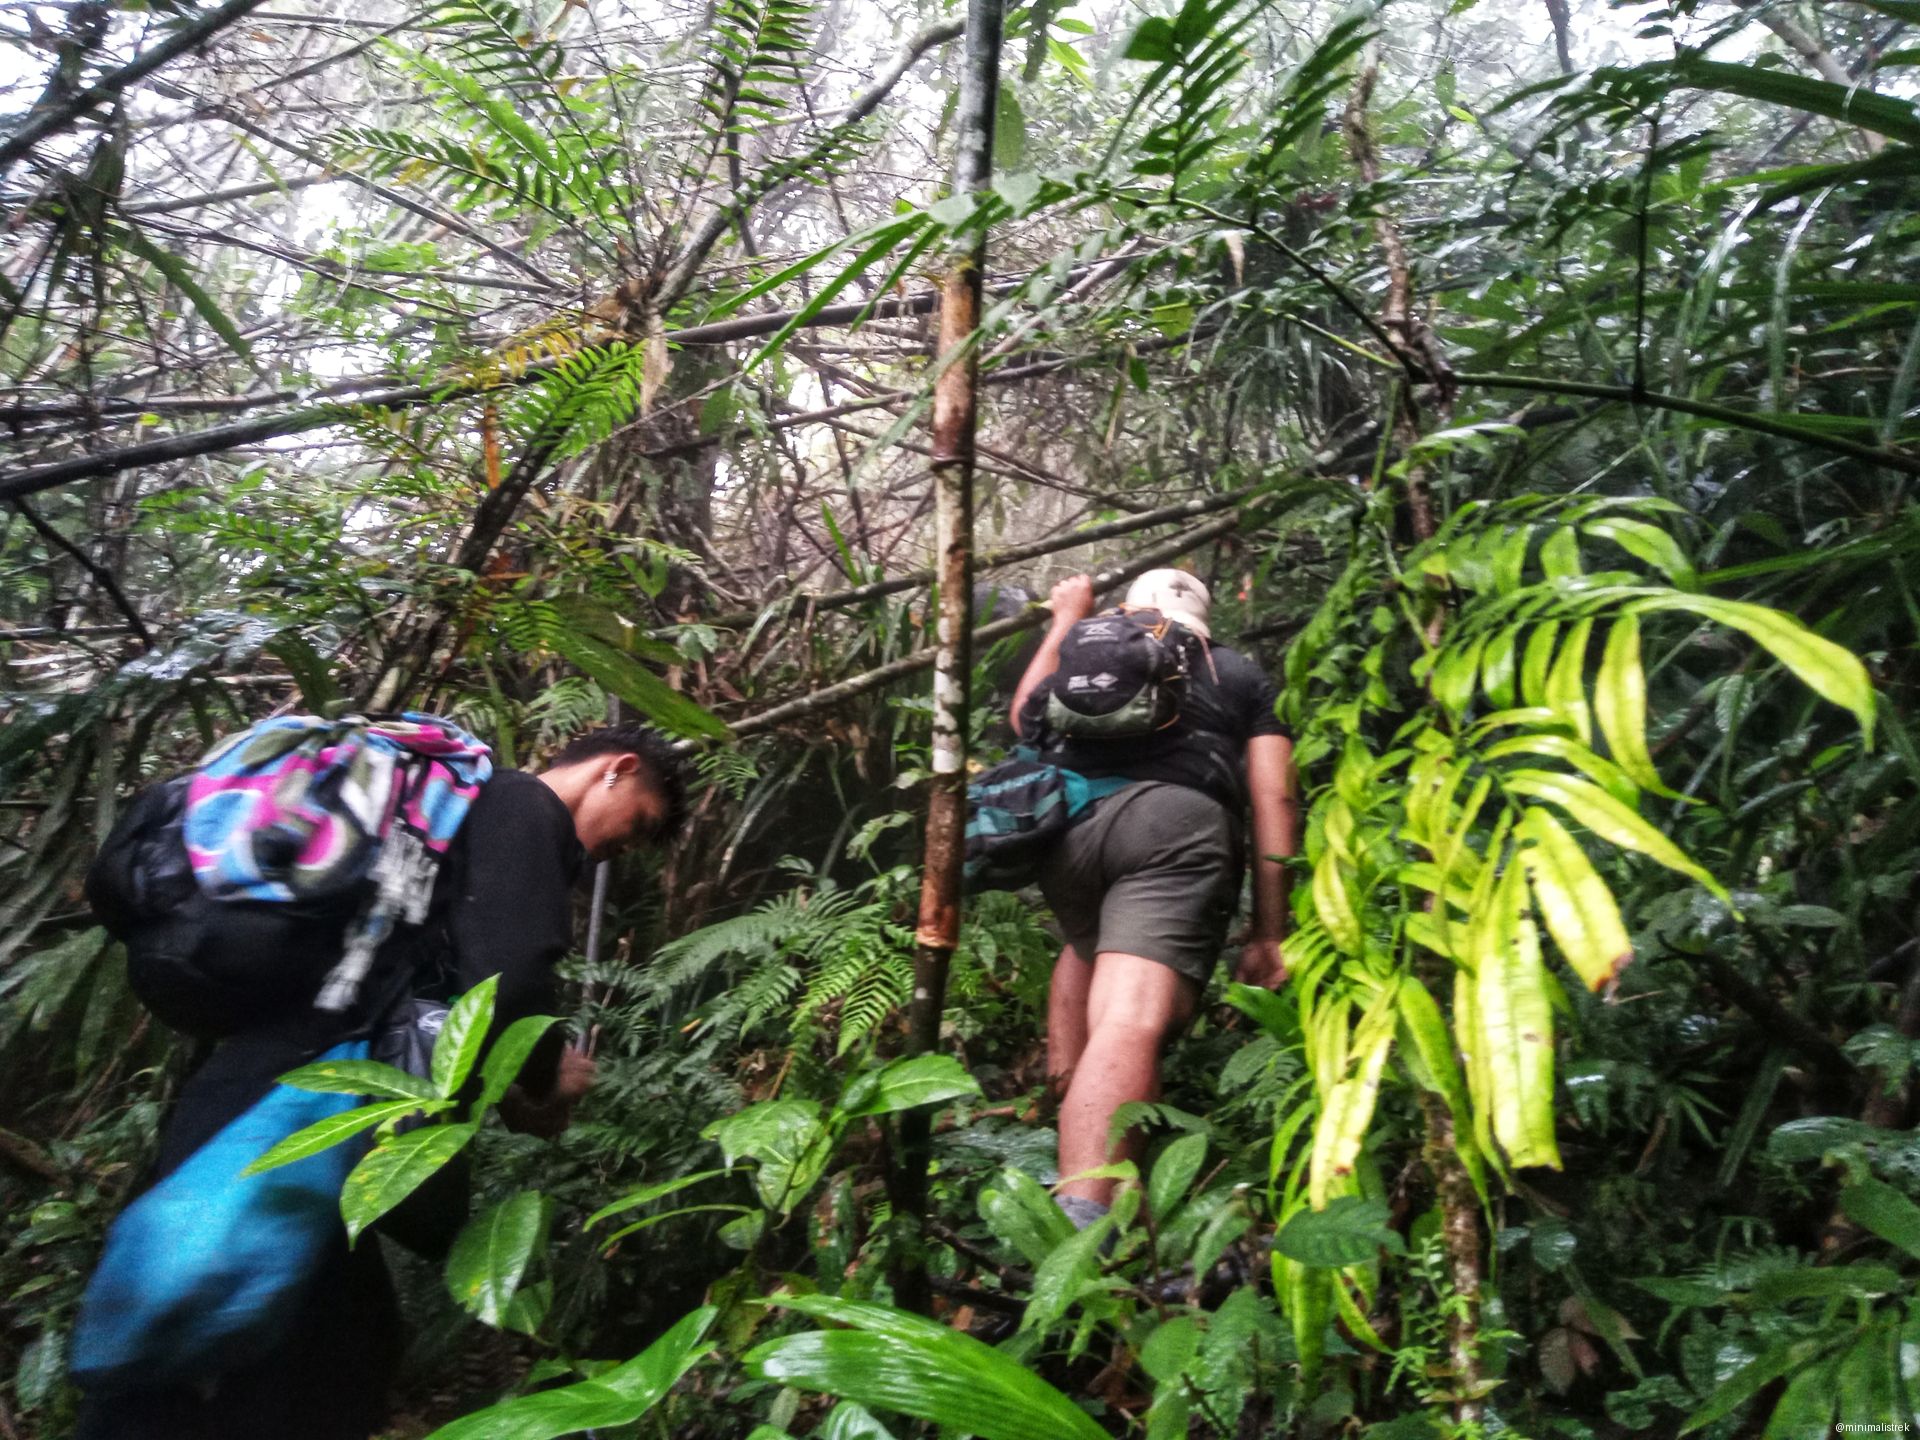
[[832, 695]]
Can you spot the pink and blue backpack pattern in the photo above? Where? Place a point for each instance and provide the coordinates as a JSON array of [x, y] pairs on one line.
[[297, 807]]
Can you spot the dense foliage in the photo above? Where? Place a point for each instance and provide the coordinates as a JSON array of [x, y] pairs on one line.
[[1534, 385]]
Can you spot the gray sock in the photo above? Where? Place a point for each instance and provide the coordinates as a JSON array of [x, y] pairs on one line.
[[1080, 1211]]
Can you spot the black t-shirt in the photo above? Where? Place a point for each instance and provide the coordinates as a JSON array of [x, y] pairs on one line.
[[502, 905], [505, 899], [1228, 701]]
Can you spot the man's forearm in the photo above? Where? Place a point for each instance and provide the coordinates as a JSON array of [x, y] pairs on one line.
[[1272, 880], [1045, 661]]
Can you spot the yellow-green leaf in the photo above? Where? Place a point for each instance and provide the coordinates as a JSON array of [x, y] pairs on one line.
[[1334, 905], [1620, 704], [1348, 1110], [1579, 909], [1831, 671], [1534, 663], [1606, 817], [1428, 1053], [1498, 665], [1566, 686], [1515, 1018]]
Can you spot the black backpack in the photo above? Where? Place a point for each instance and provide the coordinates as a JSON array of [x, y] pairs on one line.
[[196, 963], [1122, 674]]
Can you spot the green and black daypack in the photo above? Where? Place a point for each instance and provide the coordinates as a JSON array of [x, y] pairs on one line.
[[1122, 676]]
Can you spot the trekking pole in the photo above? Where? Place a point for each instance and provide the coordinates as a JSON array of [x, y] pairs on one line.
[[597, 914]]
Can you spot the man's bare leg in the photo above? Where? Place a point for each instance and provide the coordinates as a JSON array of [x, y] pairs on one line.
[[1134, 1007], [1067, 1017]]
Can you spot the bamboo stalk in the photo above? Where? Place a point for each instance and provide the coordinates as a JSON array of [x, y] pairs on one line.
[[955, 421]]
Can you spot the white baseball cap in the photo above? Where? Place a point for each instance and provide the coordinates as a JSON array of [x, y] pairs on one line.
[[1176, 595]]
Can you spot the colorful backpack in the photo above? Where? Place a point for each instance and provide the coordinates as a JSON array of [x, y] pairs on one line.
[[271, 874], [1122, 674]]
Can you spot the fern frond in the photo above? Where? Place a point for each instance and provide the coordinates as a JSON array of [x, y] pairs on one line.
[[584, 398], [755, 45]]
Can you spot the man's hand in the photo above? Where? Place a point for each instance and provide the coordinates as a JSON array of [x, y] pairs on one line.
[[1071, 600], [576, 1075], [1261, 964], [550, 1116]]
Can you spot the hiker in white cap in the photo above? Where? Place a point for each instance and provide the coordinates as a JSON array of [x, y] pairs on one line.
[[1145, 881]]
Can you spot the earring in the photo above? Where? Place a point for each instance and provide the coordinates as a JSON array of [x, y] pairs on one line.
[[610, 779]]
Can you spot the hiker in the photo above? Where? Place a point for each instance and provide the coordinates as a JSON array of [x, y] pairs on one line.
[[1146, 880], [501, 906]]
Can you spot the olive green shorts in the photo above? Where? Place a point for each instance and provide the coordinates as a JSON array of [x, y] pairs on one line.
[[1152, 870]]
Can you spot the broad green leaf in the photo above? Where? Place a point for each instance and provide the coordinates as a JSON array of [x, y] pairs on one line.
[[359, 1077], [1620, 704], [1831, 671], [851, 1422], [612, 1398], [509, 1053], [1870, 1386], [1849, 104], [1171, 1347], [1308, 1305], [1350, 1230], [1779, 1287], [789, 1140], [1576, 904], [1806, 1408], [1781, 1359], [900, 1362], [325, 1134], [1172, 1173], [1067, 1274], [1560, 554], [461, 1037], [1607, 818], [1515, 1020], [907, 1083], [394, 1170], [491, 1255], [1023, 1215], [1882, 1209]]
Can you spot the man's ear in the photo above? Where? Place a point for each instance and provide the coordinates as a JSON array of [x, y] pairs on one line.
[[625, 763]]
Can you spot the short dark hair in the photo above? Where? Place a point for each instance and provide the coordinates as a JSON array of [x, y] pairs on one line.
[[656, 752]]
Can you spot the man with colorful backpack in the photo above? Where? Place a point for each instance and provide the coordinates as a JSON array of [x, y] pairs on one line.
[[1163, 740], [311, 886]]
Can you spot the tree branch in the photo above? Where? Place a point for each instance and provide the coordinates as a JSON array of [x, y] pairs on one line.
[[1685, 405], [38, 126], [984, 635], [679, 279], [101, 575]]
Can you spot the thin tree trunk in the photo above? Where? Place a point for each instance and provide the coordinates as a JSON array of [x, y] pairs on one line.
[[955, 419]]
